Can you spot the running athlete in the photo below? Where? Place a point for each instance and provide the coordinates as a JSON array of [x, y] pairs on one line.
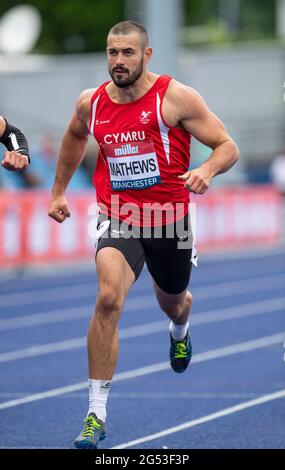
[[17, 156], [143, 123]]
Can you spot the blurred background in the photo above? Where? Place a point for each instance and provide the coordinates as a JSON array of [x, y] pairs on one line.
[[231, 51]]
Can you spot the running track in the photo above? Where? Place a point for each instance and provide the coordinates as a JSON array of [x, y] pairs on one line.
[[232, 395]]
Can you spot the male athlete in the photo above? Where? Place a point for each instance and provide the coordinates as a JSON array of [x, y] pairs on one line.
[[142, 123], [17, 156]]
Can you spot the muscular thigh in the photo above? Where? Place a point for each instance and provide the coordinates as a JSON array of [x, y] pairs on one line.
[[114, 272], [118, 256]]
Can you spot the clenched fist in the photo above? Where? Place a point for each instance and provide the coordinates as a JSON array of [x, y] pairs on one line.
[[196, 181], [59, 209], [14, 161]]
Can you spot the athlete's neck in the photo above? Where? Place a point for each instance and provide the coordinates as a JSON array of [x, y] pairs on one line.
[[132, 92]]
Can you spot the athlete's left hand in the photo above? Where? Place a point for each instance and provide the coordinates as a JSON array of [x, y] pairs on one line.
[[14, 161], [196, 181]]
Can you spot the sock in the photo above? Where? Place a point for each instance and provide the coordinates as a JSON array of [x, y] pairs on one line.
[[98, 395], [178, 332]]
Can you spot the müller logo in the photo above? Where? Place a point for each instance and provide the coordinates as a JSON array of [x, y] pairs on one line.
[[126, 150], [144, 117]]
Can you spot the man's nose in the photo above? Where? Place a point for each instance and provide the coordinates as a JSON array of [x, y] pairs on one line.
[[120, 59]]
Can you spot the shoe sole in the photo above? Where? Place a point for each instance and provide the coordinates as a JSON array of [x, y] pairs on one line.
[[87, 444], [179, 371]]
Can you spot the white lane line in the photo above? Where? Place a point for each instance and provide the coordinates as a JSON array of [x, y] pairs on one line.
[[239, 311], [212, 290], [223, 289], [68, 314], [48, 348], [158, 396], [56, 294], [76, 343], [213, 316], [47, 271], [245, 346], [53, 294], [205, 419], [50, 448]]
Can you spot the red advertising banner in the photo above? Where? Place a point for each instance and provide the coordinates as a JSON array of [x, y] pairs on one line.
[[225, 218]]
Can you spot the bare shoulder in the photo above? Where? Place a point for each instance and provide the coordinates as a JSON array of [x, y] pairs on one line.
[[182, 102], [183, 94], [83, 103]]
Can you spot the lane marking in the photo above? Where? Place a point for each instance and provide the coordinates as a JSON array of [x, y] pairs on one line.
[[203, 318], [67, 270], [154, 395], [67, 314], [50, 448], [205, 419], [211, 290], [74, 313], [232, 349], [56, 294], [239, 287]]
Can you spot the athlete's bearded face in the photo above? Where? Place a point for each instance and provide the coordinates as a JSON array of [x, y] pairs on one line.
[[123, 77], [126, 59]]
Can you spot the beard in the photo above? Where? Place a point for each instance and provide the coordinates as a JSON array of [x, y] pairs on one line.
[[127, 79]]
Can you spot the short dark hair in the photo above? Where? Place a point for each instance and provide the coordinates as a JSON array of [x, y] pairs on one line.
[[127, 27]]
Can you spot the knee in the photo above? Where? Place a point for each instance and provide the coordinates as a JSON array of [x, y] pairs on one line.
[[109, 304], [173, 309], [188, 299], [177, 308]]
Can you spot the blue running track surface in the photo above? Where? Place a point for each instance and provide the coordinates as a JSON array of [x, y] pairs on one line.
[[231, 396]]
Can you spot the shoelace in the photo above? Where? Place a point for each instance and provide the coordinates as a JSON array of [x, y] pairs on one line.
[[180, 350], [91, 423]]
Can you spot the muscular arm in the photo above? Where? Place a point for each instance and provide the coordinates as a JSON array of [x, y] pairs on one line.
[[71, 153], [73, 145], [194, 115]]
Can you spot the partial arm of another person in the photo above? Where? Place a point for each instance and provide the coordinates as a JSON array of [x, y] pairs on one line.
[[195, 116], [17, 156], [71, 154]]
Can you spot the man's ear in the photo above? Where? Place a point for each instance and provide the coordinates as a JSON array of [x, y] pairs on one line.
[[147, 55]]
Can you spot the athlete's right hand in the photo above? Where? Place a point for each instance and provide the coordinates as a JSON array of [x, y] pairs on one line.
[[59, 209]]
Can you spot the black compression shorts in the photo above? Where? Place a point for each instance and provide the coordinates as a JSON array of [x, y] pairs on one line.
[[167, 250]]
